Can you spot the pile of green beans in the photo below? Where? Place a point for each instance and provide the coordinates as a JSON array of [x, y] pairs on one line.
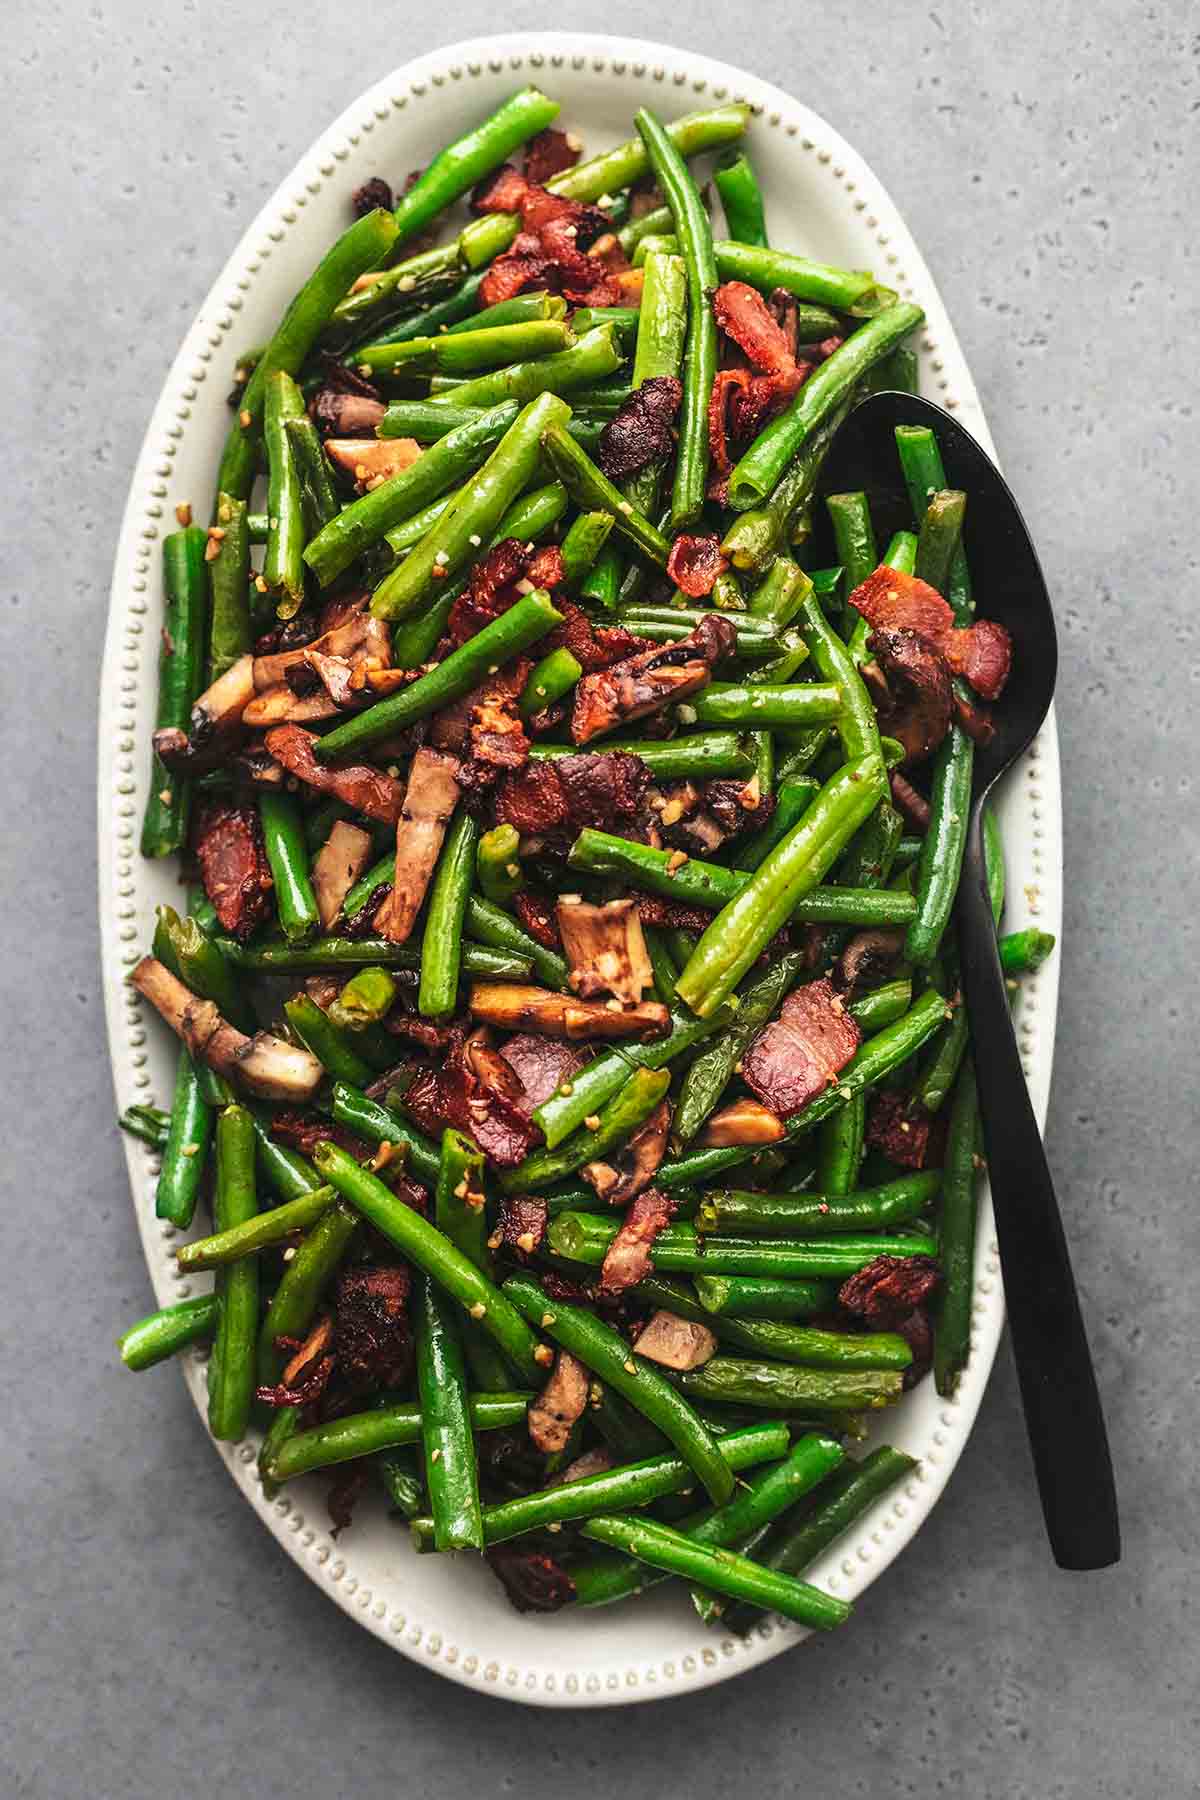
[[496, 905]]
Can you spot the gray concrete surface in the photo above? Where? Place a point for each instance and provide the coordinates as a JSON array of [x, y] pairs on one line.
[[157, 1643]]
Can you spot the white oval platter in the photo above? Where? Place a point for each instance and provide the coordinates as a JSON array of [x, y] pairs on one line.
[[822, 200]]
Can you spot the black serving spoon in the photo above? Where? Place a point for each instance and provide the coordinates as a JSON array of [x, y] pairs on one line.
[[1058, 1384]]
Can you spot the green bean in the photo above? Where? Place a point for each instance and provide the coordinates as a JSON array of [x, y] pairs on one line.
[[432, 1251], [180, 680], [780, 594], [283, 839], [319, 498], [713, 1067], [441, 946], [656, 244], [786, 1387], [470, 522], [993, 862], [938, 1076], [279, 958], [625, 320], [1023, 952], [465, 353], [444, 465], [664, 624], [317, 1032], [149, 1123], [531, 517], [854, 538], [491, 925], [457, 310], [747, 923], [680, 1249], [755, 537], [497, 864], [365, 1433], [283, 570], [657, 223], [228, 579], [775, 1341], [366, 999], [505, 638], [185, 1152], [632, 1485], [520, 310], [700, 356], [288, 1173], [797, 704], [593, 491], [583, 543], [939, 537], [363, 247], [882, 1007], [959, 1215], [845, 290], [764, 462], [380, 1124], [425, 421], [461, 164], [200, 963], [847, 1495], [735, 1213], [616, 1121], [401, 1481], [558, 1116], [604, 580], [167, 1332], [898, 372], [840, 1148], [721, 1570], [451, 1470], [621, 167], [606, 1353], [741, 198], [261, 1232], [553, 677], [857, 724], [594, 356], [459, 1202], [231, 1365], [763, 1297]]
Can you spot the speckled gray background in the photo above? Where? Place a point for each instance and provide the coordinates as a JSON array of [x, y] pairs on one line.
[[159, 1643]]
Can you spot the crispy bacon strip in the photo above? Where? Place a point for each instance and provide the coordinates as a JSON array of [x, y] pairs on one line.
[[628, 1259], [798, 1054], [366, 789], [473, 1090], [900, 1127], [234, 868], [520, 1225], [982, 652], [561, 796], [540, 1066], [549, 153], [694, 563], [912, 685], [743, 315], [429, 801]]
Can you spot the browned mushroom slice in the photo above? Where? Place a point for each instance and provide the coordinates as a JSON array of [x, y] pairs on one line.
[[281, 705], [593, 1462], [632, 1167], [356, 635], [339, 863], [628, 1259], [559, 1404], [372, 460], [368, 790], [675, 1343], [645, 683], [514, 1007], [264, 1064], [916, 702], [347, 415], [743, 1122], [868, 958], [429, 802], [215, 722], [605, 948]]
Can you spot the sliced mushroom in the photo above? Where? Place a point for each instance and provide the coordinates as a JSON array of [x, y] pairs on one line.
[[632, 1167], [515, 1007], [215, 722], [429, 801], [917, 709], [560, 1403], [372, 460], [743, 1122], [593, 1462], [868, 958], [675, 1343], [281, 705], [349, 415], [360, 785], [357, 635], [605, 948], [339, 863], [264, 1064]]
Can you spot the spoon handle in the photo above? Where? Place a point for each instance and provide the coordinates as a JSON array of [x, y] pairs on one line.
[[1058, 1383]]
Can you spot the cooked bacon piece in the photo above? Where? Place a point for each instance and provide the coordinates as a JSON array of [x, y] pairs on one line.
[[560, 796], [473, 1090], [372, 460], [371, 1330], [549, 153], [974, 720], [592, 646], [605, 948], [647, 682], [671, 915], [453, 726], [234, 868], [738, 805], [888, 1289], [374, 192], [695, 562], [497, 735], [215, 724], [536, 911], [490, 591], [890, 599], [345, 415], [338, 864], [520, 1225], [912, 690], [426, 1032], [742, 1122], [675, 1343], [640, 430], [302, 1133], [429, 801], [532, 1579], [501, 192], [366, 789], [306, 1375], [548, 252], [541, 1066], [899, 1127], [913, 806], [512, 1006], [623, 1174], [743, 315], [798, 1054], [564, 226], [561, 1402], [345, 1491], [867, 959], [263, 1064], [628, 1259]]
